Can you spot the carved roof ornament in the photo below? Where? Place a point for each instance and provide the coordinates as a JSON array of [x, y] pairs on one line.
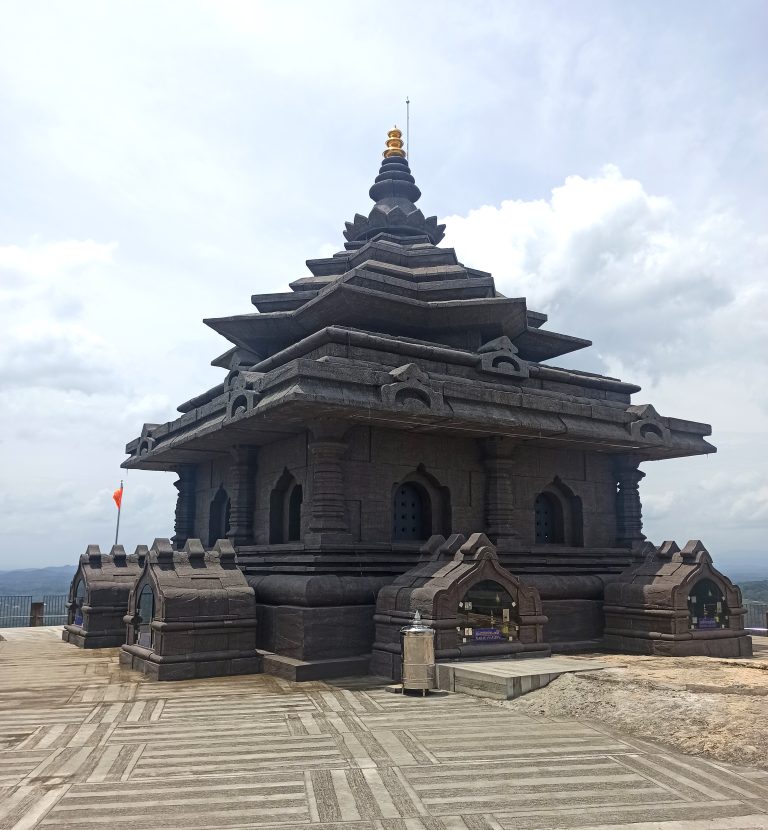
[[395, 216]]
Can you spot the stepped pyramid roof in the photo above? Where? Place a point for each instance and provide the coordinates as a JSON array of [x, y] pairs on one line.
[[395, 329]]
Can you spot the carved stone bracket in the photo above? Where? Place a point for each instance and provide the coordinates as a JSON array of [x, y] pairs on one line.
[[499, 357], [411, 390], [146, 441], [244, 393], [648, 426]]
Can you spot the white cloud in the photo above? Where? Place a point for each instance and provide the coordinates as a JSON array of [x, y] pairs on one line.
[[53, 261], [655, 290]]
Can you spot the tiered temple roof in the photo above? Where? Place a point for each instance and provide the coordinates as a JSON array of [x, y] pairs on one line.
[[395, 330]]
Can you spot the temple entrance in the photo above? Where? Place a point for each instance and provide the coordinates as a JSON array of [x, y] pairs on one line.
[[487, 614], [707, 606]]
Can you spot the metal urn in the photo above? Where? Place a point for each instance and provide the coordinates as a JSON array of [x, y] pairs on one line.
[[417, 642]]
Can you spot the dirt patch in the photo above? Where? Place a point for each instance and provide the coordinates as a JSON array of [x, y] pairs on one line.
[[699, 705]]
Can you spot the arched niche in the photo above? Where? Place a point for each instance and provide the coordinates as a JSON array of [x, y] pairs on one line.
[[421, 507], [285, 510], [145, 614], [76, 607], [558, 516], [488, 613], [218, 517], [707, 606]]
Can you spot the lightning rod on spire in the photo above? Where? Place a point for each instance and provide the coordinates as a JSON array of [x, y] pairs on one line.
[[408, 127]]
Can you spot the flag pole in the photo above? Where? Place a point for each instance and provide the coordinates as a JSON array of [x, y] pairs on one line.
[[119, 509]]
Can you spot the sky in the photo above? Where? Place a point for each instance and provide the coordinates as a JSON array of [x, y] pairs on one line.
[[160, 162]]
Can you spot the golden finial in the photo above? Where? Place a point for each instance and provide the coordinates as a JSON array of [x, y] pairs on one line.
[[394, 144]]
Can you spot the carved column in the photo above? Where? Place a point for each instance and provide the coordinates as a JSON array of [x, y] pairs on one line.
[[328, 512], [241, 488], [629, 510], [184, 525], [499, 498]]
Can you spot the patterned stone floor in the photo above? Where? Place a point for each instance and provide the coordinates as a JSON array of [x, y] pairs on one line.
[[85, 745]]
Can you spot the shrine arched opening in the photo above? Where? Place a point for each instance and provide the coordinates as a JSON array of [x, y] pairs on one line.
[[285, 508], [218, 517], [76, 608], [707, 606], [145, 613]]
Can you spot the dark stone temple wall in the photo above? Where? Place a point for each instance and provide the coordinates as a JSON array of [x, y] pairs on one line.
[[449, 468]]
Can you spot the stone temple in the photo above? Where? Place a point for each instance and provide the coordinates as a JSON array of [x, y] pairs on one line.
[[391, 435]]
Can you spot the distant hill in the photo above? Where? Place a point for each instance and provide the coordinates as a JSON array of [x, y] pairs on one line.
[[36, 582], [755, 591]]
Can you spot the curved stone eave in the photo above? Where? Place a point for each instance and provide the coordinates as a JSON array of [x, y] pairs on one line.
[[345, 304], [303, 400]]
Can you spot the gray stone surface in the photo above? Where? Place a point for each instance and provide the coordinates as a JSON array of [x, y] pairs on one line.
[[86, 745], [508, 679]]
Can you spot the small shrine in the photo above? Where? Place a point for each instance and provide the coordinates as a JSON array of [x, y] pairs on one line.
[[190, 614], [477, 607], [676, 603], [98, 596]]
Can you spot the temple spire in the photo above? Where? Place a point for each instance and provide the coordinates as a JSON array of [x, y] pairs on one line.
[[395, 215]]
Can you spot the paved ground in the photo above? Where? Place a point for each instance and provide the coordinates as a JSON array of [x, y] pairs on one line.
[[86, 745]]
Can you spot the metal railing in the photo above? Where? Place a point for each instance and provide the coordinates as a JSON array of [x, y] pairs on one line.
[[757, 616], [15, 612], [55, 609], [20, 612]]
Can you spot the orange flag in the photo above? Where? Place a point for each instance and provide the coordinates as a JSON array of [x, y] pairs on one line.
[[118, 496]]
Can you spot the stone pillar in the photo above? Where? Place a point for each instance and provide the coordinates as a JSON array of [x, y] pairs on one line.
[[499, 499], [328, 512], [184, 525], [242, 490], [629, 510]]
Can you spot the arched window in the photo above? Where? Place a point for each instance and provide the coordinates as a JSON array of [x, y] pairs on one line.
[[285, 503], [411, 515], [707, 606], [76, 609], [549, 519], [145, 612], [218, 520]]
